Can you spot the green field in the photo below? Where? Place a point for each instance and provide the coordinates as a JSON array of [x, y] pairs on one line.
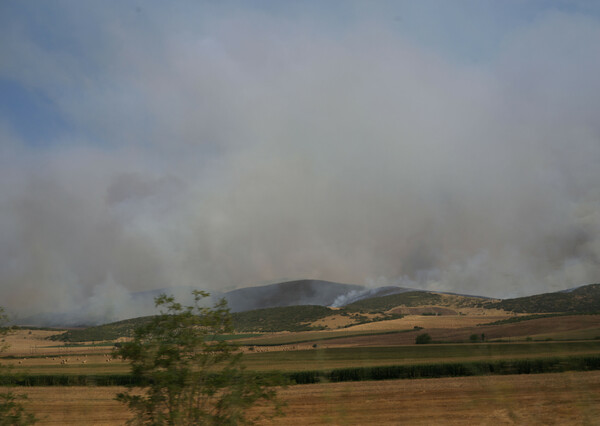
[[319, 359], [331, 358], [312, 336]]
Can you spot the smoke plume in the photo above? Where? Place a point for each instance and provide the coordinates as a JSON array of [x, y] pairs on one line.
[[248, 147]]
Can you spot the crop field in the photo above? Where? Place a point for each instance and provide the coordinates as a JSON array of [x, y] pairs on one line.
[[468, 382], [417, 354], [313, 336], [542, 399], [327, 358]]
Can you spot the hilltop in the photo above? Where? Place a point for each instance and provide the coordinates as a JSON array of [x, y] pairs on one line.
[[585, 299]]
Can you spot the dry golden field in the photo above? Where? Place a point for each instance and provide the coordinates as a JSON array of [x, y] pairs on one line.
[[542, 399]]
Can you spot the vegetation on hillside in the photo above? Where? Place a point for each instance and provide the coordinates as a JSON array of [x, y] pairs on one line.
[[301, 318], [384, 303], [104, 332], [289, 318], [581, 300]]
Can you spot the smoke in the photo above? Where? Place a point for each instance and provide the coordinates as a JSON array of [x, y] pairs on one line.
[[251, 147]]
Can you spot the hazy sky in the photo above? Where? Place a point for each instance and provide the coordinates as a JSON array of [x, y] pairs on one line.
[[444, 145]]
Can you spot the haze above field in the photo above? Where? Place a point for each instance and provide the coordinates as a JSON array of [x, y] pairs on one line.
[[449, 146]]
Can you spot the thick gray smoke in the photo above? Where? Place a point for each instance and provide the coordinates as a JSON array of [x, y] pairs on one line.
[[254, 149]]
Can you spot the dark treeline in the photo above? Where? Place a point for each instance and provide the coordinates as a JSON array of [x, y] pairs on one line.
[[503, 367]]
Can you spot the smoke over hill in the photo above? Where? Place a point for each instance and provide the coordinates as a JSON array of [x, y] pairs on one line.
[[214, 147]]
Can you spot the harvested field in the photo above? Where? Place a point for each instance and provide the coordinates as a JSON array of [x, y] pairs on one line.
[[27, 342], [565, 398], [452, 332], [424, 321]]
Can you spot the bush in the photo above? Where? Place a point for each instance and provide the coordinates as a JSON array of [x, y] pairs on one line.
[[423, 339], [188, 375]]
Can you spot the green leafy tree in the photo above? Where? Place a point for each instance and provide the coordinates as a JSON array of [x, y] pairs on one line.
[[423, 339], [12, 411], [474, 338], [190, 376]]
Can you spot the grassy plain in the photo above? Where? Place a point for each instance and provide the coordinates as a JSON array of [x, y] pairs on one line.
[[542, 399]]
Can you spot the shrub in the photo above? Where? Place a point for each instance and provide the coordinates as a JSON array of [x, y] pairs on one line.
[[188, 375], [423, 339]]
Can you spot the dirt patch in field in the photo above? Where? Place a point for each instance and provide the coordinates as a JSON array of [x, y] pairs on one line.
[[333, 322]]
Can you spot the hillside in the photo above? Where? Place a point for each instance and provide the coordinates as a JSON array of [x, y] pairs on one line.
[[99, 333], [584, 299], [290, 293], [285, 318], [304, 317], [289, 318], [413, 299]]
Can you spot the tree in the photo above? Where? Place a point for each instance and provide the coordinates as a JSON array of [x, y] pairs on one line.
[[188, 372], [12, 411], [474, 338], [423, 339]]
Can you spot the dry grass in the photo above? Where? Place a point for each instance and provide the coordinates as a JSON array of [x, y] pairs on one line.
[[333, 321], [443, 328], [565, 398], [442, 322], [568, 398], [25, 342]]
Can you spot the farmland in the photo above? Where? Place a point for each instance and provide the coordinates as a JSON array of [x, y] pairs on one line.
[[355, 365], [565, 398]]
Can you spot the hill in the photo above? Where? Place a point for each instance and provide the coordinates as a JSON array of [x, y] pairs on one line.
[[413, 299], [288, 318], [99, 333], [290, 293], [585, 299]]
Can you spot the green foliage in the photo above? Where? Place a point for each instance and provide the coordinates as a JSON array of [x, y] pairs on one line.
[[98, 333], [474, 338], [115, 330], [384, 303], [581, 300], [188, 375], [423, 339], [12, 411], [288, 318]]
